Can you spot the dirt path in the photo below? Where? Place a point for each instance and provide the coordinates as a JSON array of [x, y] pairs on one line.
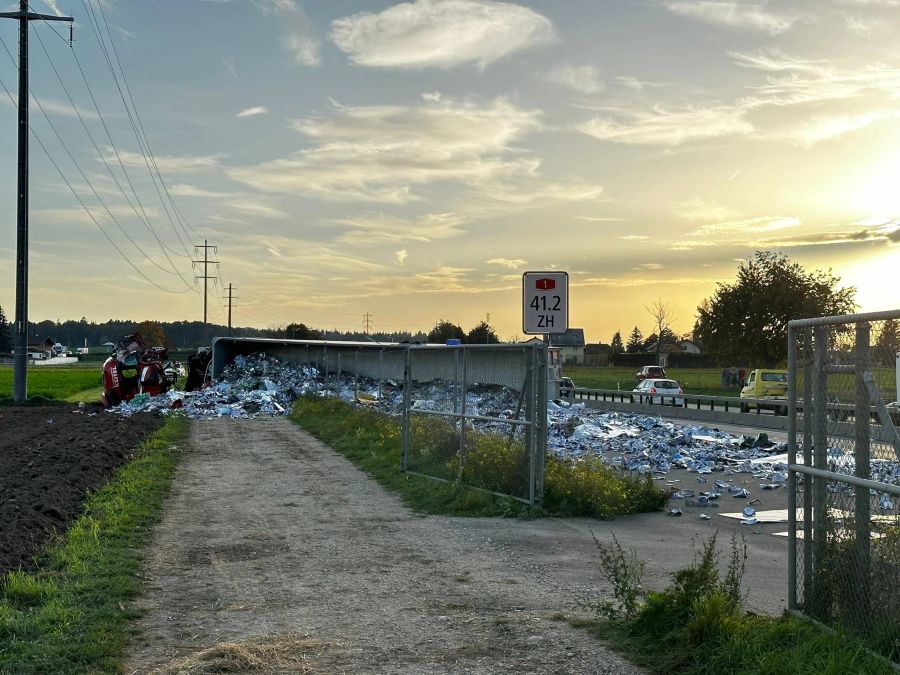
[[268, 533]]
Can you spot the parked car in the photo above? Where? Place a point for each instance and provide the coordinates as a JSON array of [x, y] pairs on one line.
[[658, 391], [766, 385], [650, 371]]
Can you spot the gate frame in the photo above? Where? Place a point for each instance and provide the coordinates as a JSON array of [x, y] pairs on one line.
[[814, 470]]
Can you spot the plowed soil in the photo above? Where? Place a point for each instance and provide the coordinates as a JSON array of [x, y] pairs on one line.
[[50, 458]]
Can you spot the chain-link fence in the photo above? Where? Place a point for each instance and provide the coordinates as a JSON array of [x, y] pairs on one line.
[[844, 458], [476, 414]]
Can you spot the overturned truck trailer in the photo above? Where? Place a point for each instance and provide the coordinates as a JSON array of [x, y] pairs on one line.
[[379, 361]]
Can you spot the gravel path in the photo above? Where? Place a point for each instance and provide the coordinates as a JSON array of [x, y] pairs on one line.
[[268, 533]]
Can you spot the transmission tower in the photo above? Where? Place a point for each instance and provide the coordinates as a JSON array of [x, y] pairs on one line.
[[230, 298], [206, 262], [367, 320]]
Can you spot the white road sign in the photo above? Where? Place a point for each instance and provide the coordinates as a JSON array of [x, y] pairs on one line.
[[545, 303]]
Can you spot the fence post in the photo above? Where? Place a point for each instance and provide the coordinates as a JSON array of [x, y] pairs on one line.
[[337, 381], [820, 461], [462, 418], [807, 461], [380, 371], [792, 476], [407, 401], [861, 456]]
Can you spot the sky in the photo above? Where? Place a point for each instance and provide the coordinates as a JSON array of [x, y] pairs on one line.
[[410, 160]]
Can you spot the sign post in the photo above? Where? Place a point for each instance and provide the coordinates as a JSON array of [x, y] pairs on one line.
[[545, 303]]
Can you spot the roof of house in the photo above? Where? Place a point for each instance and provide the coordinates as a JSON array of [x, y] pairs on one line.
[[574, 337], [598, 349]]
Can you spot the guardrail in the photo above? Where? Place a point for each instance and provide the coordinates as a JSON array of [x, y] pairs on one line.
[[697, 401]]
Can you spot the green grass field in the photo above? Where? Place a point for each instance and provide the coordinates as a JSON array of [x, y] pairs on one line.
[[708, 381], [59, 384], [693, 380]]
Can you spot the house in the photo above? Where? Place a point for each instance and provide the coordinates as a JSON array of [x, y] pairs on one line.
[[571, 346], [41, 349], [597, 355], [689, 347]]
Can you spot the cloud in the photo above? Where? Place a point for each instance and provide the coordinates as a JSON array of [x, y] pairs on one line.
[[297, 37], [601, 219], [51, 107], [513, 264], [648, 267], [733, 14], [864, 28], [186, 190], [633, 237], [675, 126], [168, 163], [401, 256], [821, 128], [256, 209], [440, 33], [699, 209], [633, 83], [369, 228], [803, 81], [255, 110], [585, 79], [749, 225], [889, 234], [228, 62], [381, 153]]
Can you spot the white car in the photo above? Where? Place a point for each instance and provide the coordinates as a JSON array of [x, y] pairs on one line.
[[658, 391]]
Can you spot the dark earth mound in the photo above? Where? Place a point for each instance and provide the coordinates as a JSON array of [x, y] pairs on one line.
[[50, 457]]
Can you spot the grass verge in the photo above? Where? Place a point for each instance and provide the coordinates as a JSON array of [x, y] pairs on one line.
[[70, 616], [52, 383], [371, 440], [697, 624]]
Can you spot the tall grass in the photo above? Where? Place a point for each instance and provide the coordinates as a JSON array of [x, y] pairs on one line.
[[697, 625], [372, 441], [70, 615]]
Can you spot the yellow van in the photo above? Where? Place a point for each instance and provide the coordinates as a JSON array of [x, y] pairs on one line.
[[766, 385]]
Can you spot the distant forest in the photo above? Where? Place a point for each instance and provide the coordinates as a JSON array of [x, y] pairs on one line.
[[188, 334]]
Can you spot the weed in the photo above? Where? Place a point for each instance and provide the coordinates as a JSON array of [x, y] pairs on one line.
[[696, 625], [624, 572]]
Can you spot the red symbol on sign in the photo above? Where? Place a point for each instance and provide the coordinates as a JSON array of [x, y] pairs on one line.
[[545, 284]]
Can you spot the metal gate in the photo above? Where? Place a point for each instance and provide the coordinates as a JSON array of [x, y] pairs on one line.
[[844, 474], [477, 415]]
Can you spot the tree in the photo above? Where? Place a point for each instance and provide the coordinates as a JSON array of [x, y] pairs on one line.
[[746, 322], [6, 345], [662, 322], [300, 331], [617, 346], [886, 346], [152, 332], [482, 334], [443, 331], [635, 341]]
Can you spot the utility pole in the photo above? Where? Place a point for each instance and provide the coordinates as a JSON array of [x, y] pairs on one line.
[[230, 298], [206, 262], [367, 319], [20, 331]]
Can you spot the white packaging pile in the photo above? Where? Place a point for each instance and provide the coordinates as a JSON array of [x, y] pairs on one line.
[[258, 385]]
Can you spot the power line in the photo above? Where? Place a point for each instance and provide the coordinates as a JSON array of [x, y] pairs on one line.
[[95, 28], [106, 164], [112, 44]]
